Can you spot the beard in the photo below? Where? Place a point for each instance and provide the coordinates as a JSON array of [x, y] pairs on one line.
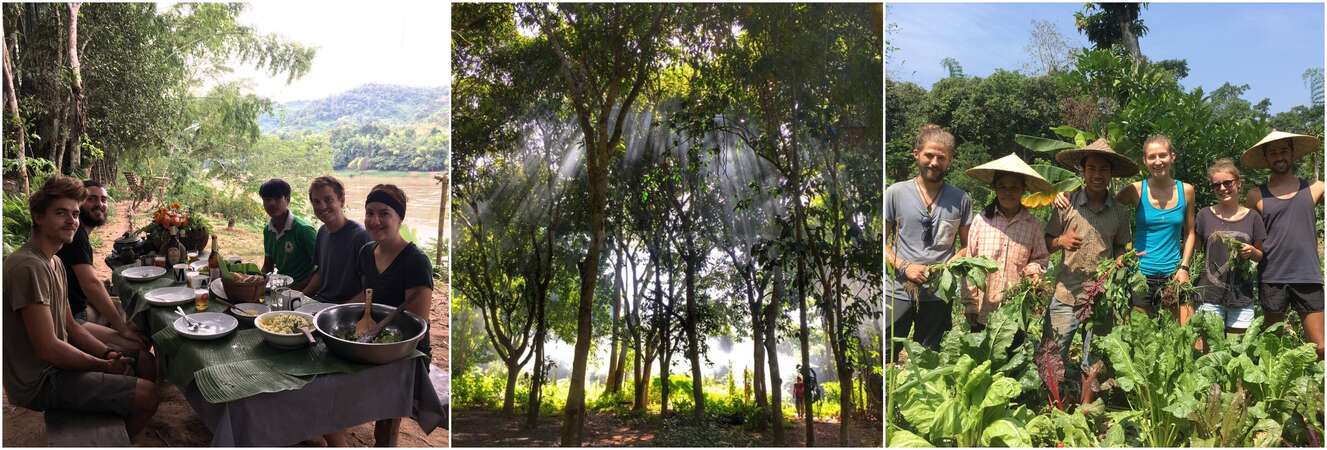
[[1280, 167], [933, 175], [90, 221]]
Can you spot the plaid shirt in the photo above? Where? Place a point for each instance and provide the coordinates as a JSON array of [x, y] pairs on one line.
[[1018, 243]]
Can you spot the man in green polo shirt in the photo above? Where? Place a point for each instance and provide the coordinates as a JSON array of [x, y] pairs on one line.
[[288, 241]]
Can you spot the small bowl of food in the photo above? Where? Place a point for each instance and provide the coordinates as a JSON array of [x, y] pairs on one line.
[[281, 329], [247, 312]]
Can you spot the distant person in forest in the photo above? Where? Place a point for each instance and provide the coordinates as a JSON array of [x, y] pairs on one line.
[[1006, 232], [288, 240], [798, 389], [396, 270], [1093, 227], [51, 361], [1222, 288], [1164, 227], [1290, 272], [925, 219], [337, 244]]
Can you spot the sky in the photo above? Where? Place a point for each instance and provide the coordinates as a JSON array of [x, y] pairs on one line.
[[384, 42], [1267, 46]]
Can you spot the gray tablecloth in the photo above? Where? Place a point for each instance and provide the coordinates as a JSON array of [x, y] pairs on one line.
[[328, 403]]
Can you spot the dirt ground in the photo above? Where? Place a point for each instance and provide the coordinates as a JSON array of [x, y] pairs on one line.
[[488, 428], [175, 424]]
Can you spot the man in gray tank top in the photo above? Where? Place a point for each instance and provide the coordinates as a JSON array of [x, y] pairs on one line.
[[1290, 272]]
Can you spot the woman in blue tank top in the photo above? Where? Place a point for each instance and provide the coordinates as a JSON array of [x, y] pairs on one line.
[[1163, 227]]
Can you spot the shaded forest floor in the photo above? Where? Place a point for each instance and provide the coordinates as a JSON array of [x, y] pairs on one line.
[[488, 428], [176, 424]]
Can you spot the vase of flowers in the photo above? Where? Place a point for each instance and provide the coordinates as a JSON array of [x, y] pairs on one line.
[[193, 230]]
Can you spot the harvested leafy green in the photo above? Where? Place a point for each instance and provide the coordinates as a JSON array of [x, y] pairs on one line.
[[386, 337], [1107, 297]]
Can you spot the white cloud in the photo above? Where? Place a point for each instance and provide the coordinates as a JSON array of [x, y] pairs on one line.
[[388, 42]]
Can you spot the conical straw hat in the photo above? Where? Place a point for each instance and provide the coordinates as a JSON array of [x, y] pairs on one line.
[[1120, 166], [1254, 158], [1012, 164]]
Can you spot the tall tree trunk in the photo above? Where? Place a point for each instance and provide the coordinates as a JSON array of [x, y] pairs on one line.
[[573, 426], [444, 225], [21, 136], [693, 320], [772, 312], [799, 231], [537, 378], [758, 358], [79, 119], [509, 394], [613, 383]]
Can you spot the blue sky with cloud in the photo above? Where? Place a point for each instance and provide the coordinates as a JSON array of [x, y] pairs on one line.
[[1267, 46]]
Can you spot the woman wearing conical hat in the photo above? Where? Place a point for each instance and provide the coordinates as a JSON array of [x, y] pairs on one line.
[[1289, 272], [1163, 227], [1005, 232]]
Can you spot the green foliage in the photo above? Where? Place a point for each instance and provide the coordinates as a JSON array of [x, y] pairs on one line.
[[964, 404], [379, 104], [947, 279], [17, 222], [379, 147], [478, 390]]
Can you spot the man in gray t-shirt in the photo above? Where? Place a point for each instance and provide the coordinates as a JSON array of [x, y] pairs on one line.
[[925, 219], [336, 246], [335, 254]]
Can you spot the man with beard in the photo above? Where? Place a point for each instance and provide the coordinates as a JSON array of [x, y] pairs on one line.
[[1093, 226], [85, 289], [1289, 273], [288, 240], [52, 362], [926, 218], [337, 244]]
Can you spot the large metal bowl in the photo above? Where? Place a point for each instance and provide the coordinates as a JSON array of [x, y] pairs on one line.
[[335, 319]]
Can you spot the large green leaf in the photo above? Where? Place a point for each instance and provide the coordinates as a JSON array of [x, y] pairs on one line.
[[1040, 144], [1004, 433], [899, 438]]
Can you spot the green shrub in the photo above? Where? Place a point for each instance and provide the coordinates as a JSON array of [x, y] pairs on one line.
[[477, 391], [17, 222]]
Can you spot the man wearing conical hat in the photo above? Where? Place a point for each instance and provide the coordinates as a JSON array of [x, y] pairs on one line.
[[1289, 273], [1093, 227], [1005, 232], [924, 220]]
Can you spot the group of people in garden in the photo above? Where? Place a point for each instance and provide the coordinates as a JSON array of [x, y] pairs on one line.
[[68, 346], [929, 221]]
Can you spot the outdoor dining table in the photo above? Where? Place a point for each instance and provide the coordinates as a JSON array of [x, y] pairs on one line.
[[251, 394]]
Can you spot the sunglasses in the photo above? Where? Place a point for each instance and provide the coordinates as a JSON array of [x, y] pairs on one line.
[[1228, 184], [928, 232]]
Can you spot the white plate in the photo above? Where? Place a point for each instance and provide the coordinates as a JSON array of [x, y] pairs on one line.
[[143, 273], [312, 307], [218, 289], [169, 296], [215, 326]]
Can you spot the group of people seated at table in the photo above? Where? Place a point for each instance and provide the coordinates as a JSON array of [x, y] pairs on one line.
[[68, 346]]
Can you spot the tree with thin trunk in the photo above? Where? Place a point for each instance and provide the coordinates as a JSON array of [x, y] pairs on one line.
[[21, 132], [78, 104], [606, 54]]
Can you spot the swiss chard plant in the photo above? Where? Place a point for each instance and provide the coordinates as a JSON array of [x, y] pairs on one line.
[[964, 404]]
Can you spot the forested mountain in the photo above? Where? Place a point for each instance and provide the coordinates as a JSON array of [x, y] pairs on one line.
[[370, 103]]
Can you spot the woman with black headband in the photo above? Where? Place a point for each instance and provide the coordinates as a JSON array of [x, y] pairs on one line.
[[396, 270]]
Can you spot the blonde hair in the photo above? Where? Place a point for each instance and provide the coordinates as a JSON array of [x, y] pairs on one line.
[[1224, 165], [1159, 139], [933, 134]]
